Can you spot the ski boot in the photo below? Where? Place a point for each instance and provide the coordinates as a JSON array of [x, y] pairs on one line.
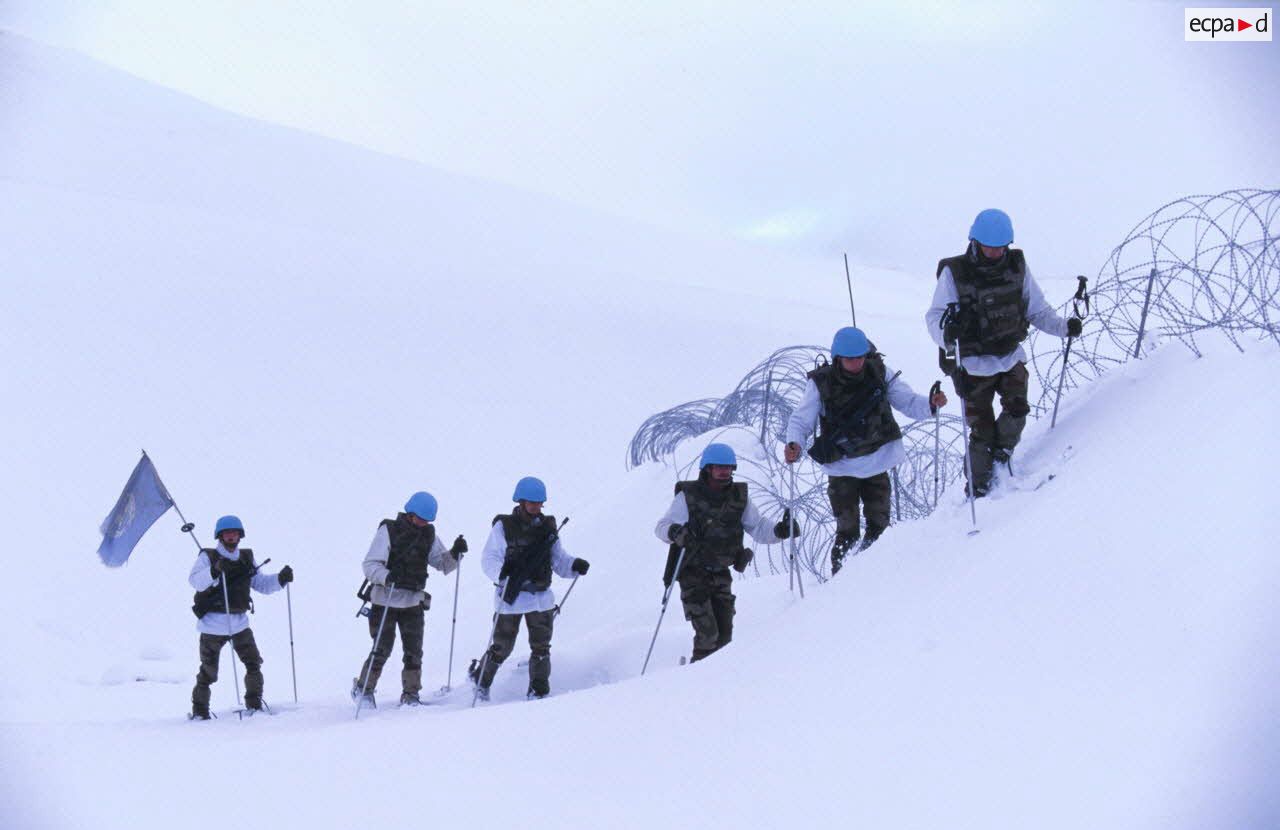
[[254, 706], [368, 696], [843, 544]]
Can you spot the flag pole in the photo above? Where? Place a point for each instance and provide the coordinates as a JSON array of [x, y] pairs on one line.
[[189, 528]]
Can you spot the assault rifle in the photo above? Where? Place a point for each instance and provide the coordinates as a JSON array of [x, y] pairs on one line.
[[516, 569]]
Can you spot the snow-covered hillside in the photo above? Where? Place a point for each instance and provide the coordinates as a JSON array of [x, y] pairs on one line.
[[303, 333]]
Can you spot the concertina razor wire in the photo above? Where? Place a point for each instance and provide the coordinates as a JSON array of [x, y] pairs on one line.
[[1198, 266]]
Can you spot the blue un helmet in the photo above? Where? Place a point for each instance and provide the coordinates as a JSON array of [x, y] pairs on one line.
[[992, 228], [229, 523], [423, 505], [530, 489], [849, 342], [719, 454]]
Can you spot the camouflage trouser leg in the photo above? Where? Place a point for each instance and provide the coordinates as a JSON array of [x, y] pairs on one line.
[[413, 627], [504, 640], [247, 650], [382, 648], [207, 675], [1011, 386], [844, 493], [708, 603], [986, 432], [876, 493], [210, 652], [981, 417], [540, 624]]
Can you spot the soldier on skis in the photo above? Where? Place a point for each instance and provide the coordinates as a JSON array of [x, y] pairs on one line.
[[851, 401], [995, 301], [521, 554], [396, 566], [225, 574], [706, 520]]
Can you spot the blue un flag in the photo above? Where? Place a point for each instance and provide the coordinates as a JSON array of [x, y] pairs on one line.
[[143, 501]]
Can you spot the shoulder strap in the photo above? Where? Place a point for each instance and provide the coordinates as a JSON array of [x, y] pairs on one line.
[[955, 263], [1017, 261]]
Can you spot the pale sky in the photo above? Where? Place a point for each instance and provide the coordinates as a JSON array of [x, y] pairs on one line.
[[878, 129]]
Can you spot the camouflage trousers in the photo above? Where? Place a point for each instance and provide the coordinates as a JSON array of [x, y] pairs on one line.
[[988, 434], [708, 602], [412, 625], [845, 493], [539, 624], [210, 650]]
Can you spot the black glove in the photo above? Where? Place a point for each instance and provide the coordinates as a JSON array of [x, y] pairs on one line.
[[508, 566], [951, 332], [962, 381], [1074, 326], [678, 535], [215, 566], [459, 547], [743, 559], [580, 566], [285, 576], [786, 528]]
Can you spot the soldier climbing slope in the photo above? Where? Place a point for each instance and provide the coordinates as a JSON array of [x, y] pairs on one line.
[[520, 556], [852, 400], [985, 301], [706, 520]]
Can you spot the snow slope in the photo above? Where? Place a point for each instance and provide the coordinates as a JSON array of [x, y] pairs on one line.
[[303, 333]]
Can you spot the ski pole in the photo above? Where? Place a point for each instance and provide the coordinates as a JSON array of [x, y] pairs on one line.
[[293, 666], [1081, 294], [968, 454], [849, 282], [226, 602], [368, 666], [457, 580], [484, 660], [569, 590], [666, 595], [934, 390], [560, 604], [786, 517], [791, 559]]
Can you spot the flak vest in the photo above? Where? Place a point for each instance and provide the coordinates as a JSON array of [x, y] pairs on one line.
[[410, 546], [715, 524], [238, 574], [993, 302], [528, 557], [856, 417]]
